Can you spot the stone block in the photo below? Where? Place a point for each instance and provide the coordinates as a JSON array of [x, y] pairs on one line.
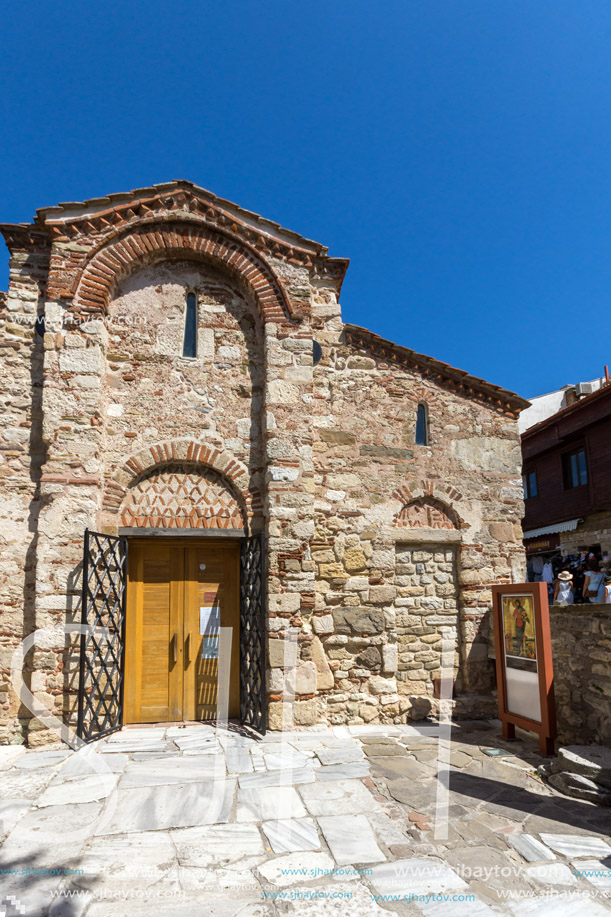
[[379, 685], [306, 712], [358, 620], [354, 560], [382, 595], [322, 624], [390, 657]]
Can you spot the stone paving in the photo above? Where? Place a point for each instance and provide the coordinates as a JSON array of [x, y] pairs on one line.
[[197, 820]]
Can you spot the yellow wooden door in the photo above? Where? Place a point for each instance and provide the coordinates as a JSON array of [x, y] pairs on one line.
[[211, 602], [179, 594]]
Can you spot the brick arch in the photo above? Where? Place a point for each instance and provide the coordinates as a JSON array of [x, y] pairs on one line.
[[428, 503], [143, 244], [190, 453]]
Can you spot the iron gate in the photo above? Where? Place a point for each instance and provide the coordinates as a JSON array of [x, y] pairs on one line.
[[252, 633], [100, 700]]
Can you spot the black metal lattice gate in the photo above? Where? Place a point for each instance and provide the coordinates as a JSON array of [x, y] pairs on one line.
[[101, 669], [252, 633], [100, 699]]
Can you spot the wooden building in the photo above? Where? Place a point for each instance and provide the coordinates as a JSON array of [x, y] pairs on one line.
[[567, 478]]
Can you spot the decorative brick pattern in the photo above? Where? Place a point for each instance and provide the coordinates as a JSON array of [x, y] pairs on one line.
[[196, 454], [426, 513], [178, 497]]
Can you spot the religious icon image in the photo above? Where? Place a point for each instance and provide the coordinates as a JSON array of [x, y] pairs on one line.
[[519, 626]]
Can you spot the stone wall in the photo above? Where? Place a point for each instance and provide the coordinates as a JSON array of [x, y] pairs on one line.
[[380, 498], [21, 456], [594, 529], [581, 652]]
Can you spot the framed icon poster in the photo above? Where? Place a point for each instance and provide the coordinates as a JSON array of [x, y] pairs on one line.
[[524, 670]]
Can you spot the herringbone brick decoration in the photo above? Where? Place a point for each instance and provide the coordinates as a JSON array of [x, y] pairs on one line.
[[180, 497], [425, 513]]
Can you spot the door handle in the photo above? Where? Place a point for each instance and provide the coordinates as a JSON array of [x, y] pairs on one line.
[[175, 648], [188, 650]]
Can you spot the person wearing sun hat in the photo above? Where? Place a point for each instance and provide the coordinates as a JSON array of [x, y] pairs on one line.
[[563, 589]]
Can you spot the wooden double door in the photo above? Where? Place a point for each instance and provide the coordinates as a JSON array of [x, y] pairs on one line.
[[179, 593]]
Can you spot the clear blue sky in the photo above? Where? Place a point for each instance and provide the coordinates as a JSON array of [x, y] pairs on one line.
[[458, 151]]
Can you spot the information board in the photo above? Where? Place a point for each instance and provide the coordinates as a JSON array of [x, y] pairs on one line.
[[524, 669]]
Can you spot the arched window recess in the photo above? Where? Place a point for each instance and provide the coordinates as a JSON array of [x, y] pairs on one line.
[[189, 343], [422, 425]]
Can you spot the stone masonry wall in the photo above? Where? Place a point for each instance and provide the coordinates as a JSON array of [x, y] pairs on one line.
[[581, 653], [426, 603], [21, 455], [380, 496]]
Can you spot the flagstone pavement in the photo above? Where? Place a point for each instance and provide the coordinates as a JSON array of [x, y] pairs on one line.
[[199, 820]]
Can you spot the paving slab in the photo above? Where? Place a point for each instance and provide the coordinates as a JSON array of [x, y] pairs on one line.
[[237, 759], [596, 872], [341, 754], [184, 731], [50, 837], [529, 847], [216, 844], [338, 797], [178, 805], [343, 771], [287, 777], [417, 876], [391, 749], [288, 758], [350, 839], [24, 784], [475, 908], [41, 759], [218, 904], [12, 811], [297, 868], [81, 764], [576, 845], [546, 906], [492, 869], [160, 771], [130, 859], [549, 875], [80, 790], [353, 900], [10, 753], [288, 835], [135, 746], [269, 803], [387, 830]]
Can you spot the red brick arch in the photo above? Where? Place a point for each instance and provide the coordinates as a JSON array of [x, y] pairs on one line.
[[194, 454], [440, 498], [143, 244]]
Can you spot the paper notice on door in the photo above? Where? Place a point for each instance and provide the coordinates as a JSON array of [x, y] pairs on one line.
[[210, 648], [209, 620]]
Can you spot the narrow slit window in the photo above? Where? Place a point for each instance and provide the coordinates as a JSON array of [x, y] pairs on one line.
[[422, 433], [189, 346]]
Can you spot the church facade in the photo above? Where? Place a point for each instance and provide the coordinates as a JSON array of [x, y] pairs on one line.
[[241, 499]]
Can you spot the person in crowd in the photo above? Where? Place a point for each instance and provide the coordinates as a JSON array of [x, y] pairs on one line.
[[594, 582], [563, 589], [607, 599]]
